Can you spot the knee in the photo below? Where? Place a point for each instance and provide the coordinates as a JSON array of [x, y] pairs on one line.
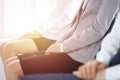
[[7, 51], [13, 69], [10, 68], [8, 47], [10, 60], [2, 44]]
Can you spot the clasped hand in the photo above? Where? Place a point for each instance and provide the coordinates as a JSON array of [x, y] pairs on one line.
[[93, 70], [54, 48]]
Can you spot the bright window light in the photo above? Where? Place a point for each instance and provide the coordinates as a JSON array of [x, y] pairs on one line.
[[17, 16], [21, 16]]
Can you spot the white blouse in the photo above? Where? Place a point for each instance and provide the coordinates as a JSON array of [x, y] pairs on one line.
[[109, 48], [60, 19]]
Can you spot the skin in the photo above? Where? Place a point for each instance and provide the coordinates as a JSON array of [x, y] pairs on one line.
[[10, 49], [54, 48], [92, 70], [24, 45], [13, 69]]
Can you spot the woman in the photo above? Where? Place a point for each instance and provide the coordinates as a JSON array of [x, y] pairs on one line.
[[59, 22], [93, 22]]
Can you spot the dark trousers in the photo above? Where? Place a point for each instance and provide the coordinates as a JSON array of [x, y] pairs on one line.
[[50, 77], [115, 60]]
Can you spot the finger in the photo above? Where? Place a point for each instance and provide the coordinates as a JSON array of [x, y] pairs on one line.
[[47, 53], [88, 74], [77, 74], [82, 72], [93, 69], [101, 66], [88, 71]]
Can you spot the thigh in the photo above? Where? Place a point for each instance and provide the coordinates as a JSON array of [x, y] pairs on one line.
[[54, 63], [20, 45], [14, 47]]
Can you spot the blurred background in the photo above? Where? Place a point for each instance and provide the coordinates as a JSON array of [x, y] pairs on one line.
[[21, 16]]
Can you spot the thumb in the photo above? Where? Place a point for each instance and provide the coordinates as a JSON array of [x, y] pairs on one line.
[[47, 52], [101, 66], [77, 74]]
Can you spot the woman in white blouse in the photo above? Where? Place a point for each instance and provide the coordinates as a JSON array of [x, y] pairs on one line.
[[80, 47], [58, 22]]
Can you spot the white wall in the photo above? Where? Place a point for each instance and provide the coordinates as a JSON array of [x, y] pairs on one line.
[[1, 17]]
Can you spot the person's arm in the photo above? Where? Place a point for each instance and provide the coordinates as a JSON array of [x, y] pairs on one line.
[[89, 34], [109, 48], [60, 19], [110, 44], [112, 73], [91, 70], [69, 15]]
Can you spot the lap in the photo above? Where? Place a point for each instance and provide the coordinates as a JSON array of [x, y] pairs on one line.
[[54, 63]]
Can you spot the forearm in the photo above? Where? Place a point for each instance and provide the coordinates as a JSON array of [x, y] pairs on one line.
[[109, 48], [110, 44]]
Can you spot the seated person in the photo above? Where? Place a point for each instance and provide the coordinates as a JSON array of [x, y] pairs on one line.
[[86, 40], [106, 66], [53, 30]]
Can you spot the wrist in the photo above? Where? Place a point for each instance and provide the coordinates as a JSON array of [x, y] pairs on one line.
[[100, 75], [61, 45]]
